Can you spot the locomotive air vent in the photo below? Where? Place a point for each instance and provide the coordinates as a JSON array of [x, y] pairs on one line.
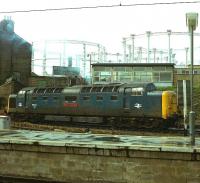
[[47, 90]]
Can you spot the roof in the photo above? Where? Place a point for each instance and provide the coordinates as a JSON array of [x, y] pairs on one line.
[[133, 64]]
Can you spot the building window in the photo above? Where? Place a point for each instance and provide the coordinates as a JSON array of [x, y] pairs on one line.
[[155, 76], [165, 76], [125, 76], [136, 78], [169, 69], [146, 78], [96, 79], [138, 68], [183, 71], [148, 68], [128, 69], [159, 68], [105, 76], [99, 68], [119, 69], [96, 73]]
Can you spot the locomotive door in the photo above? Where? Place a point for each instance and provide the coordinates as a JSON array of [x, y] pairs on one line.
[[126, 101], [26, 98], [134, 101]]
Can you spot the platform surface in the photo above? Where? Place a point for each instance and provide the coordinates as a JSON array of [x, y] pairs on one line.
[[152, 143]]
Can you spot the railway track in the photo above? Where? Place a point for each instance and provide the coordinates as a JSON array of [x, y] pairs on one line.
[[101, 129]]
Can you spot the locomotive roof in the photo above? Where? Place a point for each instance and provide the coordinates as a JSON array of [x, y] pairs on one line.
[[111, 87]]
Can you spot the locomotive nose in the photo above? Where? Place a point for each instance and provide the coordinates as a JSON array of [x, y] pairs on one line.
[[169, 105]]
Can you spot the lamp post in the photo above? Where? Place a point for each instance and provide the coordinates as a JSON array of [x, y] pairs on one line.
[[148, 46], [169, 32], [191, 22]]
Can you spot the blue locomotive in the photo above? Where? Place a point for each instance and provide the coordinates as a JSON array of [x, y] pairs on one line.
[[118, 100]]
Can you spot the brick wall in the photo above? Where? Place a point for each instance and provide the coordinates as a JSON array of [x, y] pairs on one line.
[[196, 79]]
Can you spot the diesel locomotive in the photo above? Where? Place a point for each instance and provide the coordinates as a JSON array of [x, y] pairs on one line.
[[117, 100]]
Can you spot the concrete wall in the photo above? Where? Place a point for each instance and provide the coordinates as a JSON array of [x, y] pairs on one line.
[[81, 164]]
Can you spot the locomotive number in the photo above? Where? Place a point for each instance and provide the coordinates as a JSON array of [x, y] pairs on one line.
[[70, 104]]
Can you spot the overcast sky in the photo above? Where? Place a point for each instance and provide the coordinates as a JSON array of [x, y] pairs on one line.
[[106, 26]]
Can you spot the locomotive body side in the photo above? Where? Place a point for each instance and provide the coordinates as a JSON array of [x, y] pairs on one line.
[[119, 101]]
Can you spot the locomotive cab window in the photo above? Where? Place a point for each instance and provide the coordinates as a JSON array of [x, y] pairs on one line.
[[22, 92], [70, 98], [137, 91]]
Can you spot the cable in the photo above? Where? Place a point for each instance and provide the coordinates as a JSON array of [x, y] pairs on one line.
[[100, 6]]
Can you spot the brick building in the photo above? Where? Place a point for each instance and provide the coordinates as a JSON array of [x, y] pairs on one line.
[[15, 55]]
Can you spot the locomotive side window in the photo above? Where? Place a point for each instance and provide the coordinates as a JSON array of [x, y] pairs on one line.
[[99, 98], [70, 98], [86, 97], [113, 97], [137, 91]]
